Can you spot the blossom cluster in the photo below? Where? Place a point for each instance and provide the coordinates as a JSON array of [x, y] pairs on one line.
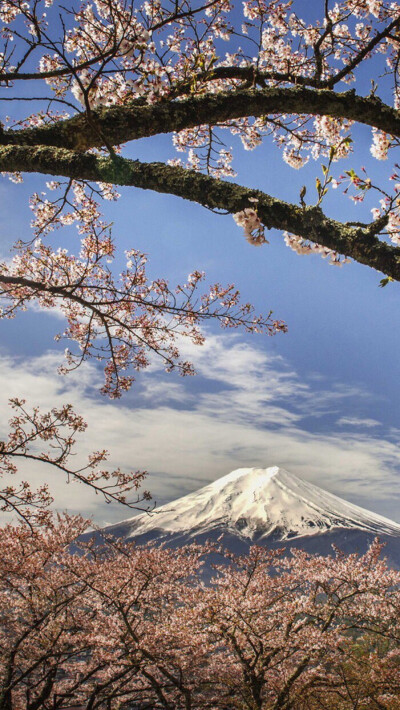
[[381, 143], [252, 226], [392, 214], [302, 246]]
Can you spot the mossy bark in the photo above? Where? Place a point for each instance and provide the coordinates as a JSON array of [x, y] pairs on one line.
[[137, 120], [360, 244]]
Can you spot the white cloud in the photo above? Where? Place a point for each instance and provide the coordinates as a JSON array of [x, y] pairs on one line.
[[226, 359], [247, 410], [160, 390], [357, 422]]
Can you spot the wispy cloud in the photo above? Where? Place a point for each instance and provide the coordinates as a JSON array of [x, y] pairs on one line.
[[247, 408], [357, 422]]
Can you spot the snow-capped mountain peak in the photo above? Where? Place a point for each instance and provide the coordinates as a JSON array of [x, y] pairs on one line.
[[256, 504]]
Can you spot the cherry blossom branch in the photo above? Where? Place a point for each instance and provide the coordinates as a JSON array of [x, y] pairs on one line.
[[360, 56], [359, 243], [116, 38], [57, 430], [119, 322]]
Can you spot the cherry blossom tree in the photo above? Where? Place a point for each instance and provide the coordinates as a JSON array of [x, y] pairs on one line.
[[138, 629], [293, 629]]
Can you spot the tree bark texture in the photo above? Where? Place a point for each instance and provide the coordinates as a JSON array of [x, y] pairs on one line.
[[359, 243], [137, 120]]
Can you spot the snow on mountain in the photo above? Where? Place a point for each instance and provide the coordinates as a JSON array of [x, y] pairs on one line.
[[256, 504]]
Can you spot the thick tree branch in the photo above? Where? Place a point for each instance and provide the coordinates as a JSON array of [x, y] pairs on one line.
[[137, 120], [360, 244]]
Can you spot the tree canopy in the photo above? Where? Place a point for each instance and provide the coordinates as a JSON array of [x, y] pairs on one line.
[[138, 629]]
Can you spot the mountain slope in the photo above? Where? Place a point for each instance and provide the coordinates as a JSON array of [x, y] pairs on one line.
[[258, 505]]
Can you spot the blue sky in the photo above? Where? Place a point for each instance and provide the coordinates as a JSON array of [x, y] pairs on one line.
[[322, 400]]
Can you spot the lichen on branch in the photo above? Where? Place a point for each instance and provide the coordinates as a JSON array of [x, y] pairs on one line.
[[359, 243]]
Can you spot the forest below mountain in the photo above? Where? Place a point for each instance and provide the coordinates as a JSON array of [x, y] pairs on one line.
[[137, 629]]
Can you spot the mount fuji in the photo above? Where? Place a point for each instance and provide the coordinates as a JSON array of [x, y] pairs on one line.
[[269, 507]]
